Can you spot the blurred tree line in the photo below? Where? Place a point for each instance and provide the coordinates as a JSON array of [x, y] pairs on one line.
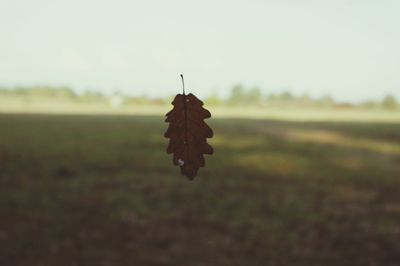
[[51, 93], [239, 96]]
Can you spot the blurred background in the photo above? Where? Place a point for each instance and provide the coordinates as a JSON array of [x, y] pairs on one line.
[[305, 98]]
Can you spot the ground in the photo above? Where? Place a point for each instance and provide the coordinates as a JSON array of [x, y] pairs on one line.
[[101, 190]]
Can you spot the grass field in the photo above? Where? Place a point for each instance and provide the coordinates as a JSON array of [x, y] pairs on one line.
[[100, 190]]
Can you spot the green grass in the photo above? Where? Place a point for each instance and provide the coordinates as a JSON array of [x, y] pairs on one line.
[[100, 190]]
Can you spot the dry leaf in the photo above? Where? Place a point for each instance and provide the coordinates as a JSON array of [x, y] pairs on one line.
[[188, 134]]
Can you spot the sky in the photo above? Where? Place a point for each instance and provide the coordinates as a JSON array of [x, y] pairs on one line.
[[349, 49]]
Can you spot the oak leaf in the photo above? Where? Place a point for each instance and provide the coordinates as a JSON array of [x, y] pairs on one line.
[[188, 133]]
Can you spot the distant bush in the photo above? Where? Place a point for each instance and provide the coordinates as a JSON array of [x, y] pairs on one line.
[[389, 102]]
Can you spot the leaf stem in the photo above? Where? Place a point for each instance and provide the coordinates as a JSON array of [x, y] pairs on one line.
[[183, 84]]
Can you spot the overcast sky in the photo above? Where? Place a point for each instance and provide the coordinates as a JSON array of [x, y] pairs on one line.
[[349, 49]]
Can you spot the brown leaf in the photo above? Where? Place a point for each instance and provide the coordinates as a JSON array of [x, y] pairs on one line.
[[188, 134]]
